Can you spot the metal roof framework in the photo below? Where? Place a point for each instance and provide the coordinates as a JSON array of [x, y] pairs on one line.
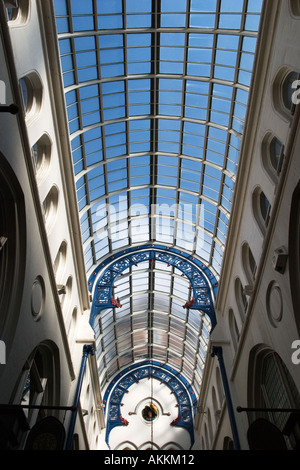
[[156, 97]]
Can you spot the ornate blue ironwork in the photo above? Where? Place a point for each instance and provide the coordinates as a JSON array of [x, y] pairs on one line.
[[185, 396], [203, 282]]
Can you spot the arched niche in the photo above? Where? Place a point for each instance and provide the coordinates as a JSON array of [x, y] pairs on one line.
[[294, 247], [31, 89], [271, 387], [50, 207], [249, 263], [41, 156], [241, 299], [203, 282], [261, 209], [12, 251], [18, 15], [285, 92], [272, 156], [39, 382]]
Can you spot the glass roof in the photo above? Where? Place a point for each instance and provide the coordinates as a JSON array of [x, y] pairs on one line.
[[156, 96]]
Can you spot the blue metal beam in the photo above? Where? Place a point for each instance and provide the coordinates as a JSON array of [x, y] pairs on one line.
[[87, 349], [217, 351], [182, 390], [203, 282]]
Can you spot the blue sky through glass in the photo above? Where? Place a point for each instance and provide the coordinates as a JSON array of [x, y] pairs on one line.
[[156, 104]]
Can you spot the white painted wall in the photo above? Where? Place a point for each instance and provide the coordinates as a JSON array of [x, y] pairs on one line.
[[139, 432]]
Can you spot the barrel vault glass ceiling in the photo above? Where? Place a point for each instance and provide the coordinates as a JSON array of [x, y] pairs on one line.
[[156, 96]]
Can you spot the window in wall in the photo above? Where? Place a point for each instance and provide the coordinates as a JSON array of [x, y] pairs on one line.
[[39, 383], [60, 261], [272, 156], [264, 207], [12, 13], [286, 91], [34, 387], [241, 299], [228, 443], [216, 408], [261, 209], [17, 11], [41, 156], [249, 263], [234, 331], [12, 250], [25, 90], [31, 91], [220, 388], [50, 206], [276, 149], [295, 7], [210, 428], [67, 293], [7, 258], [294, 248], [274, 388]]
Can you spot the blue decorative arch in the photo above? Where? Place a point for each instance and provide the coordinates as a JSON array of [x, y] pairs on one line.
[[185, 396], [203, 282]]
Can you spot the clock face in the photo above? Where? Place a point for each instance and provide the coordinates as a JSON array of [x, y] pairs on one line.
[[45, 441]]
